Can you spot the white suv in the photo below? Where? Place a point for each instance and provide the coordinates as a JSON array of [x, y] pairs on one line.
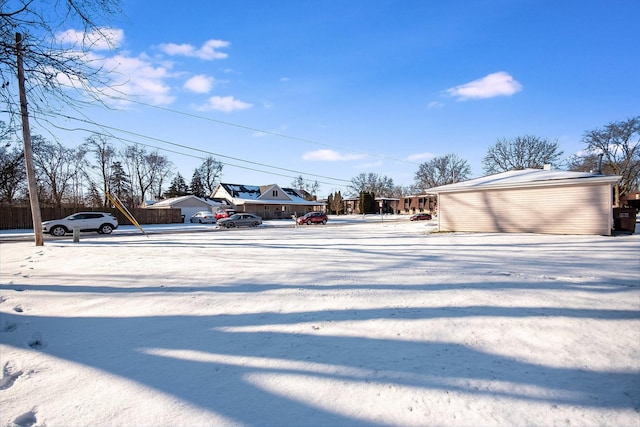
[[102, 222]]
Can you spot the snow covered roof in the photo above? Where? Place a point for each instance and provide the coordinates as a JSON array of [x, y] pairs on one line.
[[253, 194], [240, 191], [177, 200], [526, 178]]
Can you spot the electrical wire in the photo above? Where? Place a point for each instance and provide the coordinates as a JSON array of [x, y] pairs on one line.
[[110, 134]]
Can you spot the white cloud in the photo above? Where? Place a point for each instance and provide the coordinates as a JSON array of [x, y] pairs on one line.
[[420, 156], [100, 39], [144, 78], [226, 104], [435, 104], [331, 156], [138, 78], [208, 51], [492, 85], [200, 84]]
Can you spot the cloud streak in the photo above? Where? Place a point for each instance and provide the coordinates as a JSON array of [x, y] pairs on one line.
[[208, 51], [101, 39], [226, 104], [490, 86], [420, 157], [327, 155]]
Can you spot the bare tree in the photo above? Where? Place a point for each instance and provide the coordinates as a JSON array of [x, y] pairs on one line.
[[307, 188], [56, 168], [619, 145], [12, 174], [55, 59], [443, 170], [104, 154], [162, 170], [210, 172], [381, 186], [519, 153], [147, 170]]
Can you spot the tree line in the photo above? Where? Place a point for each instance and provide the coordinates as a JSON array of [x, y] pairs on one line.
[[613, 149], [83, 175]]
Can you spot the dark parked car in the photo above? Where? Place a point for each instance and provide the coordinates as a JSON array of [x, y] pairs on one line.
[[313, 218], [420, 217], [240, 220], [203, 217], [102, 222]]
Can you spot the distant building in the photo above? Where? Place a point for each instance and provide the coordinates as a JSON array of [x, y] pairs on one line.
[[189, 205], [268, 201]]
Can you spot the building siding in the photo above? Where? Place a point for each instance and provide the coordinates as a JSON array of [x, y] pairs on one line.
[[566, 209]]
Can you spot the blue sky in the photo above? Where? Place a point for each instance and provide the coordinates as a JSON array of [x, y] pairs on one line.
[[330, 89]]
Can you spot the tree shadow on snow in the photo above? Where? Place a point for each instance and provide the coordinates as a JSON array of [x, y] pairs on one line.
[[205, 361]]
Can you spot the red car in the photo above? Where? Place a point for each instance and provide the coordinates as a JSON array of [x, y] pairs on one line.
[[420, 217], [313, 218], [221, 213]]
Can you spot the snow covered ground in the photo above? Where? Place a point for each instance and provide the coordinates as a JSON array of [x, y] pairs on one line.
[[363, 323]]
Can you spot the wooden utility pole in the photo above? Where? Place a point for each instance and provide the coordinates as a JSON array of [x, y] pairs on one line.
[[36, 216]]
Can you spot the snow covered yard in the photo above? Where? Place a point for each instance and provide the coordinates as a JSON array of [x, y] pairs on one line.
[[361, 324]]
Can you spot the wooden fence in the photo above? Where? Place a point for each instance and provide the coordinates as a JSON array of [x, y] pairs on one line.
[[17, 218]]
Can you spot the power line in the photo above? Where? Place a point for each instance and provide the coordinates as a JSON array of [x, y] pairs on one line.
[[281, 135], [91, 122]]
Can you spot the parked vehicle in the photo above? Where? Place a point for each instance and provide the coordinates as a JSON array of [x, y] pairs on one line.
[[240, 220], [203, 217], [221, 213], [102, 222], [420, 217], [313, 218]]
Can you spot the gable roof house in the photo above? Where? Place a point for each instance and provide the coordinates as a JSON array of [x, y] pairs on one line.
[[529, 201], [268, 201], [188, 205]]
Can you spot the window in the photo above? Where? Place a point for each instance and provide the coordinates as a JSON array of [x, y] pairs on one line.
[[274, 193]]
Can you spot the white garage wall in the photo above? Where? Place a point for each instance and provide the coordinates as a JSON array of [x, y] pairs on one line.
[[567, 209]]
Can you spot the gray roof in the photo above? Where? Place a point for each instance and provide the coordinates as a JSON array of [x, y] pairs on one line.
[[526, 178]]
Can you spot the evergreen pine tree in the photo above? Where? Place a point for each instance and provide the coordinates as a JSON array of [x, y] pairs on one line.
[[120, 184], [177, 188], [197, 186]]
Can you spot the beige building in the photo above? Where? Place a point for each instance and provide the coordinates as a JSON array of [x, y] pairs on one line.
[[529, 201], [267, 201]]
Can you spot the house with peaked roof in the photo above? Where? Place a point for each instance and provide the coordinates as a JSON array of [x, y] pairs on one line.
[[529, 201], [189, 205], [268, 201]]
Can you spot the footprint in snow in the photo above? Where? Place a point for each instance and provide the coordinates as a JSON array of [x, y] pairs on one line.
[[9, 376], [9, 327], [28, 419], [36, 342]]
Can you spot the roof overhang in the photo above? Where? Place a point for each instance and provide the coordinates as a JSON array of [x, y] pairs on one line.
[[528, 178]]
